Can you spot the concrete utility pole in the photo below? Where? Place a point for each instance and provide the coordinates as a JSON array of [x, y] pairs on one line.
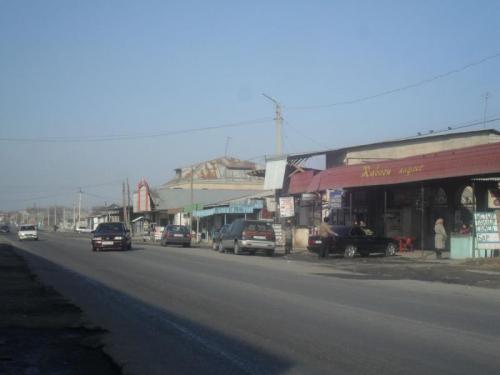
[[486, 97], [74, 215], [278, 121], [55, 214], [227, 145], [192, 199]]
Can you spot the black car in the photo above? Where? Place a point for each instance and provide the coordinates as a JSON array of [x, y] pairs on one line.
[[111, 236], [218, 236], [4, 229], [176, 235], [352, 240]]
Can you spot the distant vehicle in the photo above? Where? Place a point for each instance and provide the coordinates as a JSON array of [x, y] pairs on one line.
[[249, 235], [27, 232], [83, 229], [4, 228], [352, 240], [218, 236], [111, 236], [176, 235]]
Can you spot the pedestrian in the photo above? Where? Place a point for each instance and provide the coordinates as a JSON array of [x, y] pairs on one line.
[[440, 237], [288, 237], [326, 233]]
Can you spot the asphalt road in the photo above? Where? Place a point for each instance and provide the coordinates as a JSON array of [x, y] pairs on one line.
[[176, 310]]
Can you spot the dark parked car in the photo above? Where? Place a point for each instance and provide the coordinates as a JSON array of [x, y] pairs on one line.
[[177, 235], [352, 240], [4, 228], [111, 236], [248, 235], [218, 236]]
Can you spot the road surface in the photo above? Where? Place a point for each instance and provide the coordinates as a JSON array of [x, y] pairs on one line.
[[177, 310]]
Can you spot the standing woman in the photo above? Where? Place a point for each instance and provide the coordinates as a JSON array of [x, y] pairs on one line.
[[440, 237]]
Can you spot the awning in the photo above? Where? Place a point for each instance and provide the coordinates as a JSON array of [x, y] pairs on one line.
[[471, 161], [138, 219], [233, 209]]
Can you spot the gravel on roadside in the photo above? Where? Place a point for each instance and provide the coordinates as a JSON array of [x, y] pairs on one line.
[[41, 332]]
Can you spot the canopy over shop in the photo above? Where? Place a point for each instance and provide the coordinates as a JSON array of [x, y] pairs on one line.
[[404, 197]]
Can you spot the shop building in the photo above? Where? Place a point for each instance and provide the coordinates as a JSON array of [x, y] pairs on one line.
[[399, 191]]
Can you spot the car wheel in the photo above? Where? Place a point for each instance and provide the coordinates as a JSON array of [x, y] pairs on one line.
[[364, 254], [221, 248], [129, 247], [270, 253], [350, 251], [186, 245], [390, 250], [237, 248]]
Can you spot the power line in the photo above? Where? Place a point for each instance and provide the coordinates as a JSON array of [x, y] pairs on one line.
[[402, 88], [124, 137], [304, 135]]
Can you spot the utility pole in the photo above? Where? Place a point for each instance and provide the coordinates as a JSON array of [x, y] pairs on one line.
[[48, 217], [227, 145], [128, 205], [55, 214], [74, 215], [191, 199], [123, 202], [486, 97], [278, 121], [79, 206]]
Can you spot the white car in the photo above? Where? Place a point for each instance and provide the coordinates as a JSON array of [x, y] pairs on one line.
[[27, 232], [83, 230]]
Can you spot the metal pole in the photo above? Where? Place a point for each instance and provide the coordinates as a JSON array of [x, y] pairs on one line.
[[422, 196], [192, 199], [79, 207]]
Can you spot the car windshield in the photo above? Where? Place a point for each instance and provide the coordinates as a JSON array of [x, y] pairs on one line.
[[28, 227], [109, 227], [177, 228]]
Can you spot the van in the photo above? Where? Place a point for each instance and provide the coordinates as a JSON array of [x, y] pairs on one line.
[[249, 235]]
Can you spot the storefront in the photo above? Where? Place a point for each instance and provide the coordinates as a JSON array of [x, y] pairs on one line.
[[404, 197]]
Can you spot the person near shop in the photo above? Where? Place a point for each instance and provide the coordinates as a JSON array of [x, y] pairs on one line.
[[439, 237], [288, 237], [464, 229], [326, 233]]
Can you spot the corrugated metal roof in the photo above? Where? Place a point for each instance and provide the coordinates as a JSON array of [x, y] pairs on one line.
[[178, 198]]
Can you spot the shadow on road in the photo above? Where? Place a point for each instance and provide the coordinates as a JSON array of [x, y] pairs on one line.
[[164, 341]]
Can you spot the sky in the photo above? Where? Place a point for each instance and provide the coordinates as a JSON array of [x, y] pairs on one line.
[[78, 76]]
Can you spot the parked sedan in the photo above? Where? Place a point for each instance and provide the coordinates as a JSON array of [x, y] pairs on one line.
[[4, 228], [352, 240], [176, 235], [111, 236], [249, 235]]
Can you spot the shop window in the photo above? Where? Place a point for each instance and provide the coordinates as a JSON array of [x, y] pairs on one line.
[[440, 198]]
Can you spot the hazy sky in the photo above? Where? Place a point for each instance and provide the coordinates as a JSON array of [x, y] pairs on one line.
[[78, 70]]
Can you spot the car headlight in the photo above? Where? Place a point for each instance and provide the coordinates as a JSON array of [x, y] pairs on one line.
[[118, 238]]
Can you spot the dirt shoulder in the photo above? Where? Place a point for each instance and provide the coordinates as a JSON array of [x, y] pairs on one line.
[[475, 272], [41, 332]]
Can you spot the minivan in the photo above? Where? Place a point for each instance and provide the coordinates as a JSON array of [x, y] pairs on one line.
[[249, 235]]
